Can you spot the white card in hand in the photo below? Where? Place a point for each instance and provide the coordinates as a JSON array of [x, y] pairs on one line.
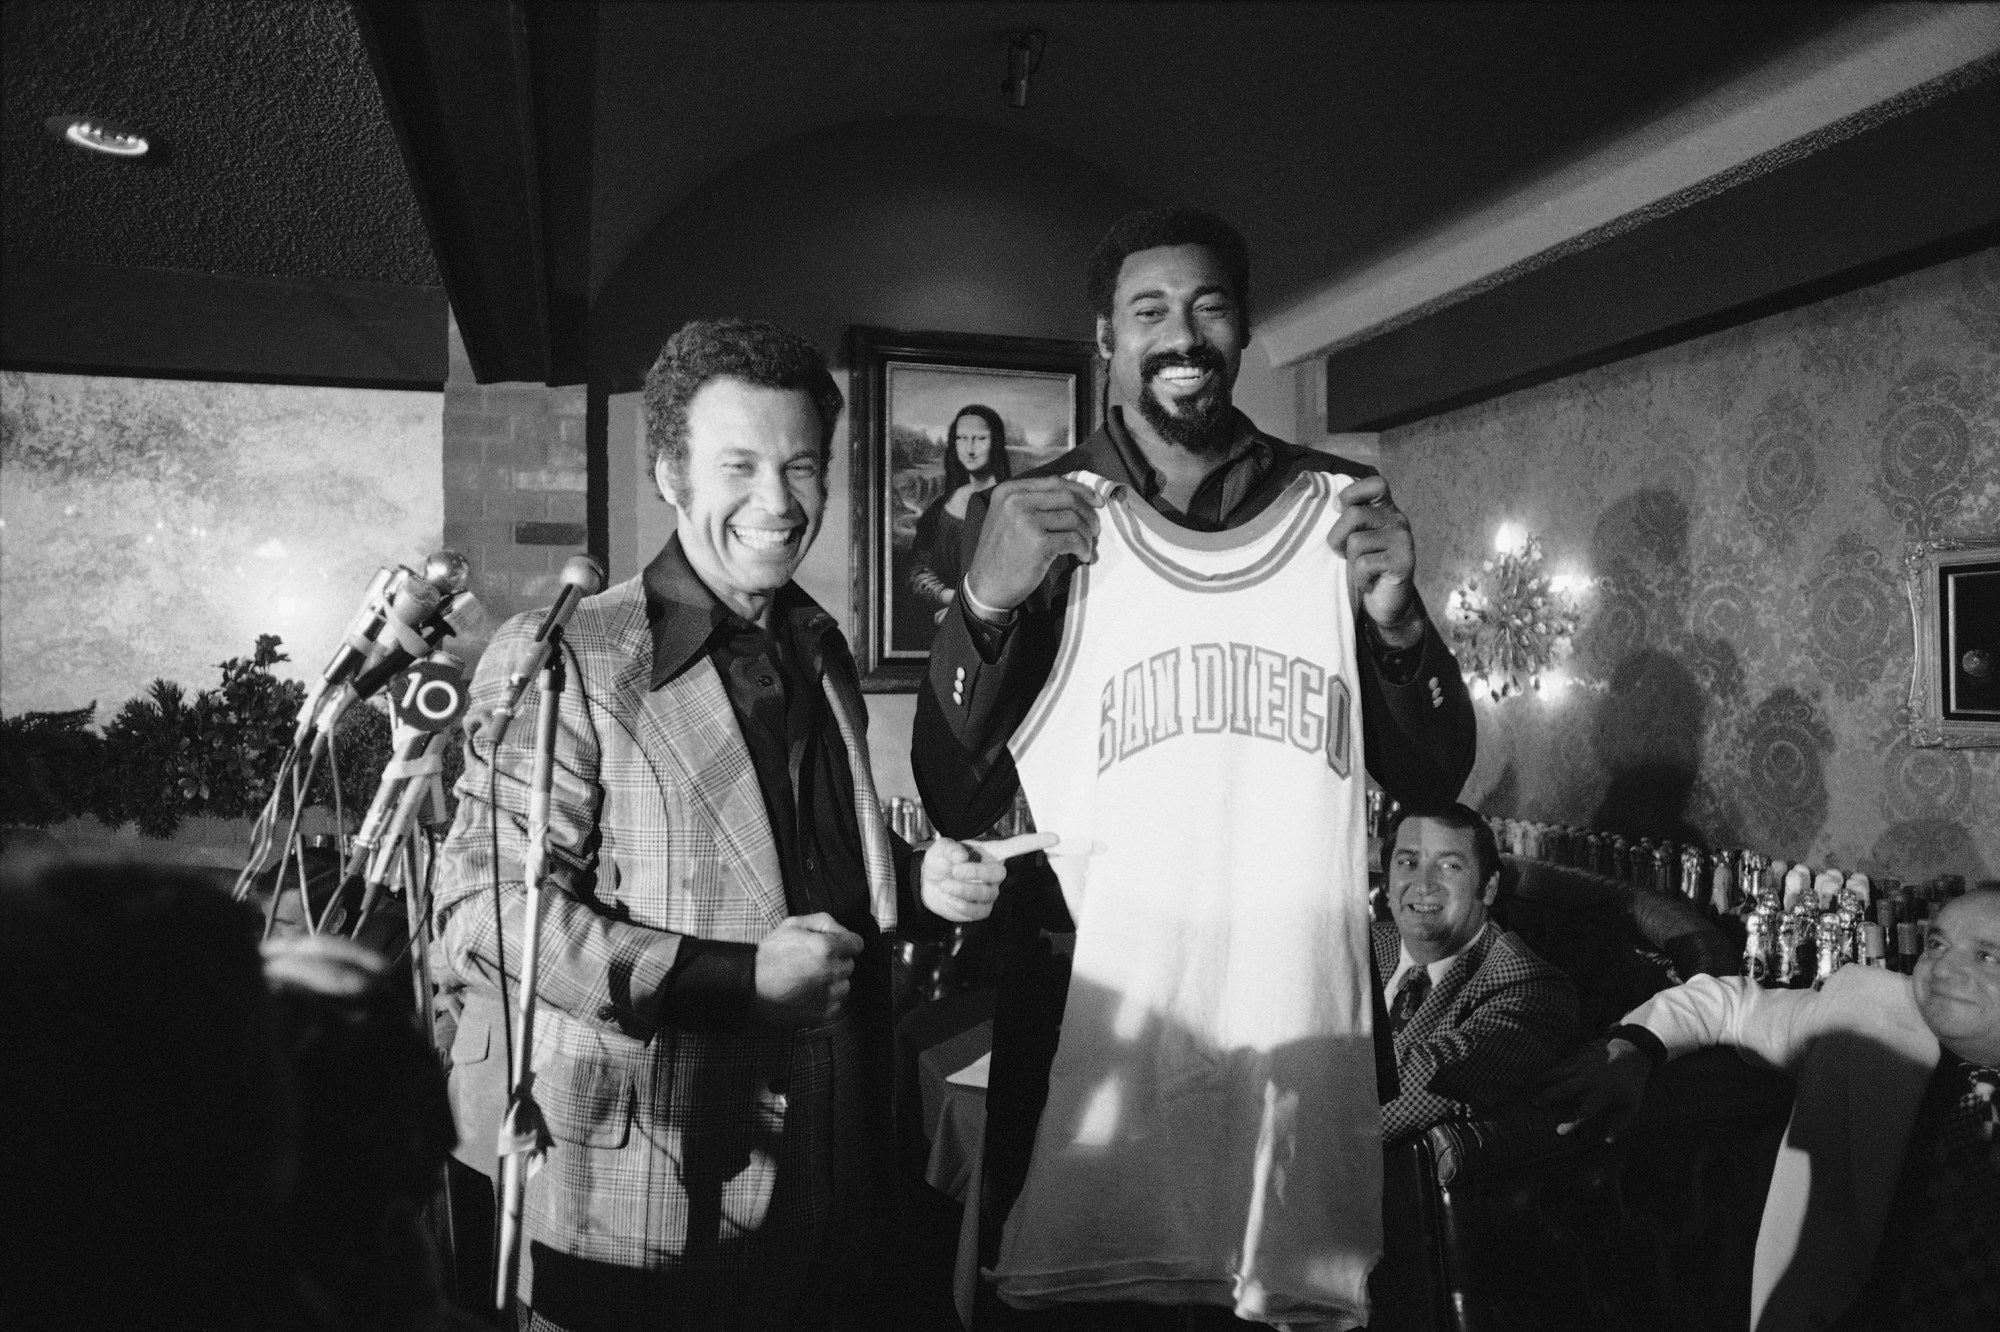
[[974, 1073]]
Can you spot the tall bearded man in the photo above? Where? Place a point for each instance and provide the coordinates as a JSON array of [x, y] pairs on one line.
[[1187, 481]]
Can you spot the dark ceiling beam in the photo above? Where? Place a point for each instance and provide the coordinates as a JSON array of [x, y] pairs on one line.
[[158, 323], [492, 106], [1914, 190]]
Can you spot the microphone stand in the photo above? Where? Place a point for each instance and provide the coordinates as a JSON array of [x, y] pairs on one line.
[[520, 1130], [407, 781]]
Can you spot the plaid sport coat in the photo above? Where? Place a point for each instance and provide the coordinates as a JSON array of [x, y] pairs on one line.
[[666, 1141], [1499, 1017]]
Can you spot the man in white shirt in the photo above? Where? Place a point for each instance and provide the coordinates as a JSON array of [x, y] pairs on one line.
[[1475, 1015], [1883, 1213]]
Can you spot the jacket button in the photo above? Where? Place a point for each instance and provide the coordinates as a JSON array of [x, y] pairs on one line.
[[607, 1012]]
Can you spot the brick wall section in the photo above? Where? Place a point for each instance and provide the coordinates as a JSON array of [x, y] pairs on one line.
[[513, 484]]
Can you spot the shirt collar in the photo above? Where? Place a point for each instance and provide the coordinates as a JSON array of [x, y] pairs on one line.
[[1438, 968], [1233, 479], [685, 616]]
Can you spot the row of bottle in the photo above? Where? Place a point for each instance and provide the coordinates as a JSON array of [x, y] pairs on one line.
[[907, 819], [910, 822], [1799, 927]]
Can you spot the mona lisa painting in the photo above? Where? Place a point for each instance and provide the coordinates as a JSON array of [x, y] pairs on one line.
[[939, 418]]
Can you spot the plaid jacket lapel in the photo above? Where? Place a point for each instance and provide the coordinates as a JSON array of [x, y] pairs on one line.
[[687, 727], [1431, 1013], [843, 693], [1438, 1005], [1388, 948]]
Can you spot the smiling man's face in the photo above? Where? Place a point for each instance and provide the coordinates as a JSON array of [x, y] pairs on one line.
[[1435, 892], [1958, 977], [754, 491], [1175, 342]]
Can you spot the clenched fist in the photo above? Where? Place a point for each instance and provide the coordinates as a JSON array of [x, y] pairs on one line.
[[1375, 536], [803, 970]]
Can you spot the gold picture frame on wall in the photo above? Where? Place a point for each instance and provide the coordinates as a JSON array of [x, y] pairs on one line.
[[1954, 585], [1027, 400]]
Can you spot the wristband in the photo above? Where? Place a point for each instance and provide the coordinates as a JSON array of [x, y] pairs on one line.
[[1648, 1044], [992, 615]]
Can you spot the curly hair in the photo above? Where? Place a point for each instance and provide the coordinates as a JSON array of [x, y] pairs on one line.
[[753, 350], [998, 465], [1485, 847], [1152, 228]]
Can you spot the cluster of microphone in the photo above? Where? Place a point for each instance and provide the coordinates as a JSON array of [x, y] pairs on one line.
[[403, 618], [395, 641]]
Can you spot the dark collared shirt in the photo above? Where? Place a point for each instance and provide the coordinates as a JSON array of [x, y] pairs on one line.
[[1217, 501], [772, 679]]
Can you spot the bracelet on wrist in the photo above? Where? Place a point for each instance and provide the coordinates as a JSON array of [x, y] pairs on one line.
[[992, 615]]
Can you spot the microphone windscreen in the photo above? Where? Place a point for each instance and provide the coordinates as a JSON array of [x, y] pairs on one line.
[[583, 573], [448, 571]]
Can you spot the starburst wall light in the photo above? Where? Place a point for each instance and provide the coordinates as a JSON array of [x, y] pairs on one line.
[[1513, 623]]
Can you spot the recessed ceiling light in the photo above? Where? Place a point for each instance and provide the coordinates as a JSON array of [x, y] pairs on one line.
[[97, 135]]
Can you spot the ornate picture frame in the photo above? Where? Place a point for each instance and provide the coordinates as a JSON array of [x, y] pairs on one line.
[[911, 395], [1954, 585]]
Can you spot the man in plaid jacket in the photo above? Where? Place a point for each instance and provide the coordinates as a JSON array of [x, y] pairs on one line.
[[1475, 1015], [712, 1053]]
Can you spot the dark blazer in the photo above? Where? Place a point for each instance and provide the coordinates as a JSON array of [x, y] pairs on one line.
[[1418, 741], [1499, 1017]]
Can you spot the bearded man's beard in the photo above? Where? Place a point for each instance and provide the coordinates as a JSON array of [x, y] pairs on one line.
[[1203, 425]]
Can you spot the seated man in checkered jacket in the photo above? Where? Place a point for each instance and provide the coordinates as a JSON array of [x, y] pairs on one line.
[[1475, 1015]]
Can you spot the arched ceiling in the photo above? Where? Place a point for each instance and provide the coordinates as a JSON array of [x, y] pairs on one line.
[[333, 171], [1327, 132]]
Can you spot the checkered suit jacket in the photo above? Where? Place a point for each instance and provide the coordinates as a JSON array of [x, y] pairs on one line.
[[1500, 1016], [658, 830]]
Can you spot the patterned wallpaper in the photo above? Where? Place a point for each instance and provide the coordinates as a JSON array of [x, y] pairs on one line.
[[1745, 499]]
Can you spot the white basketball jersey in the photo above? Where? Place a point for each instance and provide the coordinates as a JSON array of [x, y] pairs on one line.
[[1212, 1133]]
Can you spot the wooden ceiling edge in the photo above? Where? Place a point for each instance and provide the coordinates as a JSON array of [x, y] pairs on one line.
[[562, 93], [1845, 83], [65, 317], [1833, 285], [499, 265], [386, 26], [1917, 191]]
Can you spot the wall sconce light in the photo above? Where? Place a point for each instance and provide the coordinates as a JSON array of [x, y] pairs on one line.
[[1024, 57], [1513, 622], [94, 134]]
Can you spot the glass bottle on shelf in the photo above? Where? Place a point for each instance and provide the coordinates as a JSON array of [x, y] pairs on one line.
[[1789, 936], [1829, 948], [1756, 950]]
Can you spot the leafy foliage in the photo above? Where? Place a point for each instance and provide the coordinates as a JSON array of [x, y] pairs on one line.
[[49, 766], [164, 757]]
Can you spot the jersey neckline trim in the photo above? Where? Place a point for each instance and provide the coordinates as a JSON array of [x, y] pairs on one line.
[[1156, 541]]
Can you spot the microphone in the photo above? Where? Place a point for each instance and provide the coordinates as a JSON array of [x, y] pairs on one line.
[[582, 577], [448, 571], [420, 614], [392, 657], [361, 631]]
